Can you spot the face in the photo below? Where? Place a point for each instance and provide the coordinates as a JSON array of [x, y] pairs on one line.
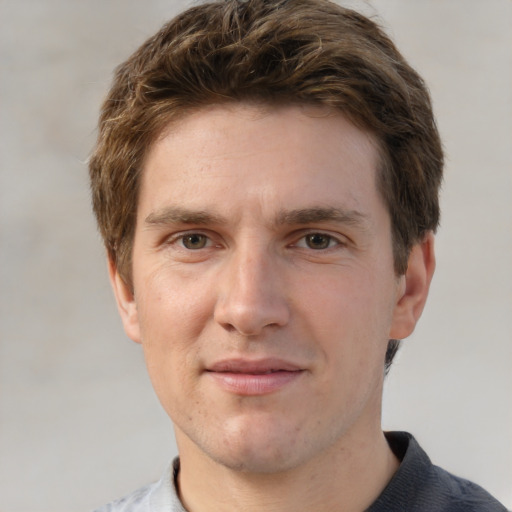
[[264, 290]]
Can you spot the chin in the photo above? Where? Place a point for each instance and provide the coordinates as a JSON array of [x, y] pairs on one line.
[[261, 450], [256, 462]]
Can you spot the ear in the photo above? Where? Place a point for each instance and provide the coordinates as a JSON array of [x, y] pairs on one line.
[[126, 304], [414, 287]]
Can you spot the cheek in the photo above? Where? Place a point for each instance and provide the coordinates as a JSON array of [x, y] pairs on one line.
[[172, 306], [352, 315], [172, 314]]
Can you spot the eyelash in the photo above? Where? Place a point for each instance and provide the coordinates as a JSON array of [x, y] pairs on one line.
[[181, 237], [301, 242], [331, 240]]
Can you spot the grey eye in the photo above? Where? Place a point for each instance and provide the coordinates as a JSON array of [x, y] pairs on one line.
[[318, 241], [195, 241]]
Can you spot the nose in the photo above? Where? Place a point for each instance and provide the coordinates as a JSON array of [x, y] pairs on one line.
[[251, 295]]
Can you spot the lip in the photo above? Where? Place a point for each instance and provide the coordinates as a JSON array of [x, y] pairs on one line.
[[254, 377]]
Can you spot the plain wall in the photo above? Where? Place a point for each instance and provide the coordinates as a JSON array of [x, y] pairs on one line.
[[79, 423]]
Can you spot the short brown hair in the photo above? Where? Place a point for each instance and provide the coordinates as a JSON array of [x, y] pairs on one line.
[[269, 51]]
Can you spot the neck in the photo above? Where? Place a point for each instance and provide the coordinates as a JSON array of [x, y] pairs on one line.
[[348, 478]]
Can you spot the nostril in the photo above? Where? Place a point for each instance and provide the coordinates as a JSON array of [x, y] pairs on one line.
[[228, 327]]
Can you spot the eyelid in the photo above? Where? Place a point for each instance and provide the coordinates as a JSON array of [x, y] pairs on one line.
[[302, 234], [299, 235], [180, 235]]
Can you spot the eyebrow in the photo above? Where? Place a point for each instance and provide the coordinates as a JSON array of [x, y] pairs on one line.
[[323, 214], [176, 215], [300, 216]]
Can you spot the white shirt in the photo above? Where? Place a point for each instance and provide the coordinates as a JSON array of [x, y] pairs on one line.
[[160, 496]]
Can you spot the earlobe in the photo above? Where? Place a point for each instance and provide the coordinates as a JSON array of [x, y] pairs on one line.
[[414, 292], [126, 304]]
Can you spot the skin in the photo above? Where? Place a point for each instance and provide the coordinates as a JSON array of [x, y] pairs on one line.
[[262, 243]]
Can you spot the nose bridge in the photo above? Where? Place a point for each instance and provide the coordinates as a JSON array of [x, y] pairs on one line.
[[251, 295]]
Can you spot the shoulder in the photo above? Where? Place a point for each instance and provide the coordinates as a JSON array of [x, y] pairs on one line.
[[160, 496], [420, 486], [137, 501], [462, 495]]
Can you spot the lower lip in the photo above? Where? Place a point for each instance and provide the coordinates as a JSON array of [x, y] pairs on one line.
[[248, 384]]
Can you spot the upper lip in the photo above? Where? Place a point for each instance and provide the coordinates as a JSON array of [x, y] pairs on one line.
[[258, 366]]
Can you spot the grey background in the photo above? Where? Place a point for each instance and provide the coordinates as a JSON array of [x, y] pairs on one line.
[[79, 424]]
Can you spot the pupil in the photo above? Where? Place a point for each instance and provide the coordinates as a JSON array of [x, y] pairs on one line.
[[194, 241], [317, 241]]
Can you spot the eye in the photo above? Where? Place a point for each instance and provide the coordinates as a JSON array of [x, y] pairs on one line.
[[194, 241], [317, 241]]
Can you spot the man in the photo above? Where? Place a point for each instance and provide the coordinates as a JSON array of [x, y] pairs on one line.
[[266, 183]]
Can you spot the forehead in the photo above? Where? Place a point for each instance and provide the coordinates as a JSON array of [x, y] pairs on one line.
[[227, 153], [292, 119]]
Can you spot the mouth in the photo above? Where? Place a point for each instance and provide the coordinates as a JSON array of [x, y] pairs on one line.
[[253, 378]]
